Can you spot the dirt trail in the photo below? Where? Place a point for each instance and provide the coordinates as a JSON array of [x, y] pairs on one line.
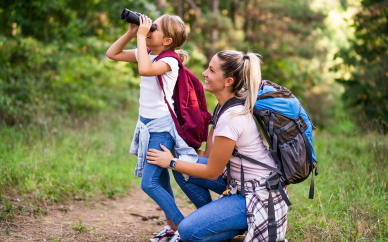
[[107, 219]]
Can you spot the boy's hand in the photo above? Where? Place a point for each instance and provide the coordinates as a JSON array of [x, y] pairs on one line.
[[145, 26], [133, 28]]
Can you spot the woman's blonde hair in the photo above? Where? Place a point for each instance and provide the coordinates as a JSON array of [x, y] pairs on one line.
[[173, 27], [245, 69]]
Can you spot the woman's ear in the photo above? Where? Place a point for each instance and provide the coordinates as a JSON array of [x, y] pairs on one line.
[[167, 41], [229, 81]]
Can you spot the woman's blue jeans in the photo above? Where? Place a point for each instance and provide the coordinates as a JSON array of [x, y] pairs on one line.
[[156, 180], [217, 220]]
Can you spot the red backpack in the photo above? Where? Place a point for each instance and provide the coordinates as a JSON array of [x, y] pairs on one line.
[[192, 117]]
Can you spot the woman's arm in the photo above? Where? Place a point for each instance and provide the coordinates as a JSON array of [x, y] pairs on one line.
[[117, 52], [209, 145], [219, 157]]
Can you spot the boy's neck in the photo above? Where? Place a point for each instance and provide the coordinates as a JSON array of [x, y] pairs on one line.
[[157, 50]]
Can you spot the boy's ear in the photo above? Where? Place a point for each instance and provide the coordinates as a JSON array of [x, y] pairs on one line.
[[167, 41]]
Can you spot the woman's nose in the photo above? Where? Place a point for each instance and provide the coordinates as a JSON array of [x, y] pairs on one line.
[[204, 73]]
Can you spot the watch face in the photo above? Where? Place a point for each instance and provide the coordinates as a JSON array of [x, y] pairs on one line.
[[172, 164]]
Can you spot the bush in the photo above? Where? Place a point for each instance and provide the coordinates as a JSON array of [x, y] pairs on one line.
[[60, 77]]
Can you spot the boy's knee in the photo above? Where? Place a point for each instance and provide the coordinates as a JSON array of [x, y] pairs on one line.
[[146, 186]]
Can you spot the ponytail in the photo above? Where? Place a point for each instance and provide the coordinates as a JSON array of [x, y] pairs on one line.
[[246, 72], [183, 55]]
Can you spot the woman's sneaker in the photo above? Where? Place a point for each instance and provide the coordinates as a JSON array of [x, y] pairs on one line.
[[176, 237], [164, 235]]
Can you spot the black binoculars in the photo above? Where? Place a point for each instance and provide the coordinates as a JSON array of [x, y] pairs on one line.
[[133, 18]]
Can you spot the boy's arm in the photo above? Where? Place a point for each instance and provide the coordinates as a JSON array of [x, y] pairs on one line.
[[116, 52], [145, 67]]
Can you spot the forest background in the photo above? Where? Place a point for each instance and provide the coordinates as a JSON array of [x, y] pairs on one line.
[[67, 112]]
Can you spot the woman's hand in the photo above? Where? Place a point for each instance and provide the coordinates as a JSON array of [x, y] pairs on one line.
[[145, 26], [159, 158]]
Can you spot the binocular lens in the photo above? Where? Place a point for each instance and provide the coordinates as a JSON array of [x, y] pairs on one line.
[[133, 18]]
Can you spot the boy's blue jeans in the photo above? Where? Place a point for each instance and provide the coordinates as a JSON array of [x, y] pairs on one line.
[[217, 220], [156, 180]]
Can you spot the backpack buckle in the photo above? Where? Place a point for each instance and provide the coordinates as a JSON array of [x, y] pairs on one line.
[[264, 113], [272, 224], [212, 121], [299, 124], [235, 153]]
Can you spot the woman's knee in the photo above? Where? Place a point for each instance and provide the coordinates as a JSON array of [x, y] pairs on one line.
[[177, 176], [186, 230]]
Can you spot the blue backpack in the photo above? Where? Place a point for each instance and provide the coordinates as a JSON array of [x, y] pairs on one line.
[[288, 131]]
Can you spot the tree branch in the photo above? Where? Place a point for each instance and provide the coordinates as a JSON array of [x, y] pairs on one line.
[[193, 5]]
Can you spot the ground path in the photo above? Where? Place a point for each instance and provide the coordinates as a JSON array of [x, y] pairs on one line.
[[134, 217]]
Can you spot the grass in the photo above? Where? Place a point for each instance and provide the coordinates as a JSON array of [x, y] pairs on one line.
[[351, 193], [59, 160], [55, 160], [81, 227]]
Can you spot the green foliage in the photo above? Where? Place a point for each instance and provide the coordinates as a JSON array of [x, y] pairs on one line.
[[48, 78], [52, 58], [285, 33], [364, 65]]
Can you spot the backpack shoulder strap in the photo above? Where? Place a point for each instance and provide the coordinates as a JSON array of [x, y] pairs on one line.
[[218, 111], [169, 53]]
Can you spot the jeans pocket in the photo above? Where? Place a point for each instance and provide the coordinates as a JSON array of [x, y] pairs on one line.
[[160, 138]]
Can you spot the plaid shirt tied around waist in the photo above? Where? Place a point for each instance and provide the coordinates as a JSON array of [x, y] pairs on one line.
[[141, 139], [256, 197]]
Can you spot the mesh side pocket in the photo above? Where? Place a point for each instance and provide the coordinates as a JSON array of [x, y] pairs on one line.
[[293, 156]]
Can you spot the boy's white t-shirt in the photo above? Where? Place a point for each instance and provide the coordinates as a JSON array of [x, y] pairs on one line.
[[151, 99], [243, 130]]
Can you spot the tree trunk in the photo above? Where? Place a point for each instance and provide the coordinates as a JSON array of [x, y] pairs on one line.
[[233, 11], [246, 21], [214, 32], [180, 9]]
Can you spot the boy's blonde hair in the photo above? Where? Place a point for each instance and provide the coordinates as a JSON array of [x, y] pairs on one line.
[[173, 27]]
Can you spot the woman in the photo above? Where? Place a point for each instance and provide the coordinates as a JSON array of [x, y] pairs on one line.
[[230, 74]]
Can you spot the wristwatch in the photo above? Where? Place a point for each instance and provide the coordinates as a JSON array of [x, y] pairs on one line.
[[173, 163]]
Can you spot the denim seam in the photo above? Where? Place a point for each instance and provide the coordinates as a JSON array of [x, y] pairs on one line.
[[215, 181], [194, 192], [176, 215]]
